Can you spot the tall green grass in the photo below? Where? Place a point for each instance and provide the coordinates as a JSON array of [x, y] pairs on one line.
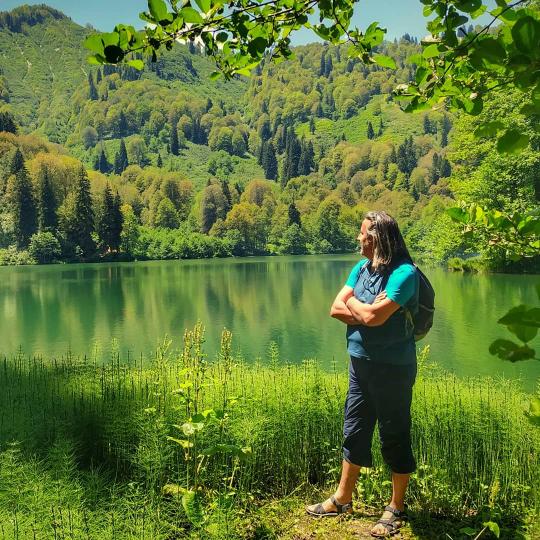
[[85, 451]]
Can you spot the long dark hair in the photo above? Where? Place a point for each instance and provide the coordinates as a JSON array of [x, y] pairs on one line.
[[388, 244]]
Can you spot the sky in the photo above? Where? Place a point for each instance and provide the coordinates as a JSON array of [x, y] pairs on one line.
[[397, 16]]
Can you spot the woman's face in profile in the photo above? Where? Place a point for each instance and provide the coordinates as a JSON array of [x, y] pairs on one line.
[[365, 241]]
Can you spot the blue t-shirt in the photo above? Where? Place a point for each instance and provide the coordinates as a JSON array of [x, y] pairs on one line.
[[401, 285], [391, 342]]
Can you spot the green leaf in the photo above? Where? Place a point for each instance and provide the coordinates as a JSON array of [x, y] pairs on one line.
[[431, 51], [190, 428], [488, 129], [113, 54], [191, 503], [158, 10], [534, 411], [526, 34], [468, 6], [182, 442], [523, 332], [508, 350], [512, 142], [514, 315], [204, 5], [94, 43], [257, 46], [215, 75], [384, 61], [457, 214], [468, 531], [137, 64], [191, 15], [493, 527]]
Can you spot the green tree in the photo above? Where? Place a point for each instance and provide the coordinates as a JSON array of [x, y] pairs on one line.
[[370, 133], [174, 143], [84, 216], [129, 236], [17, 162], [92, 92], [121, 162], [22, 205], [293, 241], [102, 163], [166, 215], [104, 219], [7, 123], [269, 161], [446, 126], [44, 247], [46, 202]]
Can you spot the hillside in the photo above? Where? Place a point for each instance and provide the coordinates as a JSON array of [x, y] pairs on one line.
[[286, 161]]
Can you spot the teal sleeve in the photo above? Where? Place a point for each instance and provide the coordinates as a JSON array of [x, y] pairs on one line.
[[401, 285], [353, 276]]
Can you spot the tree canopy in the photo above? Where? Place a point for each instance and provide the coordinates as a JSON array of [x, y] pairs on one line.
[[456, 67]]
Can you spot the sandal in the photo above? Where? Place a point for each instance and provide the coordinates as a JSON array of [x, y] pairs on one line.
[[392, 524], [319, 510]]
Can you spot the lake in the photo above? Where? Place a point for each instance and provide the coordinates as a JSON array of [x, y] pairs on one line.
[[53, 310]]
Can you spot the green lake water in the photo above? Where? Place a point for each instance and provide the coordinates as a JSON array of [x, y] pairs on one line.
[[53, 310]]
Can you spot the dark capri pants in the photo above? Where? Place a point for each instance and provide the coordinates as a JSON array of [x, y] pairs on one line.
[[379, 393]]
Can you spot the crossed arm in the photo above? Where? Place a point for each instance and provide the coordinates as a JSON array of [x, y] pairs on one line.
[[347, 309]]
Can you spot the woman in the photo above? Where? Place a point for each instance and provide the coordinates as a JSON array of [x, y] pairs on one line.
[[376, 304]]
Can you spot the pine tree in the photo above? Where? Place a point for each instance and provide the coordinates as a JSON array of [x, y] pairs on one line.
[[17, 162], [102, 162], [311, 125], [46, 203], [446, 125], [104, 219], [427, 125], [292, 158], [92, 92], [175, 146], [82, 235], [446, 169], [406, 156], [117, 223], [322, 66], [159, 162], [227, 192], [121, 159], [122, 125], [370, 132], [307, 155], [269, 161], [381, 126], [23, 207], [7, 123], [328, 66], [264, 130], [98, 76], [294, 215]]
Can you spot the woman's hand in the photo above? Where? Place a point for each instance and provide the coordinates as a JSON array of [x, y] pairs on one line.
[[380, 297]]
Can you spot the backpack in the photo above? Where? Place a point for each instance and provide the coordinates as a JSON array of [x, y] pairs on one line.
[[423, 318]]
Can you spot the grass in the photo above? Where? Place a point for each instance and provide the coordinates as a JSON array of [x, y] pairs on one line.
[[85, 451]]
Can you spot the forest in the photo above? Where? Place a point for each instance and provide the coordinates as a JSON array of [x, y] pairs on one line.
[[118, 164]]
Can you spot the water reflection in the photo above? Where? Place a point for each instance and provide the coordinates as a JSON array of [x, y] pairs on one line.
[[49, 310]]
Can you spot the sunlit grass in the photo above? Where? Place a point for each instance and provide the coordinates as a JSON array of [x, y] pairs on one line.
[[92, 458]]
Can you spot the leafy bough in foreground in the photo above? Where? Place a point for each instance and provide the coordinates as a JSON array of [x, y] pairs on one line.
[[455, 69], [518, 235]]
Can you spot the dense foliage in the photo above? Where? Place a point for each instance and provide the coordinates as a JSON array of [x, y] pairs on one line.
[[285, 162]]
